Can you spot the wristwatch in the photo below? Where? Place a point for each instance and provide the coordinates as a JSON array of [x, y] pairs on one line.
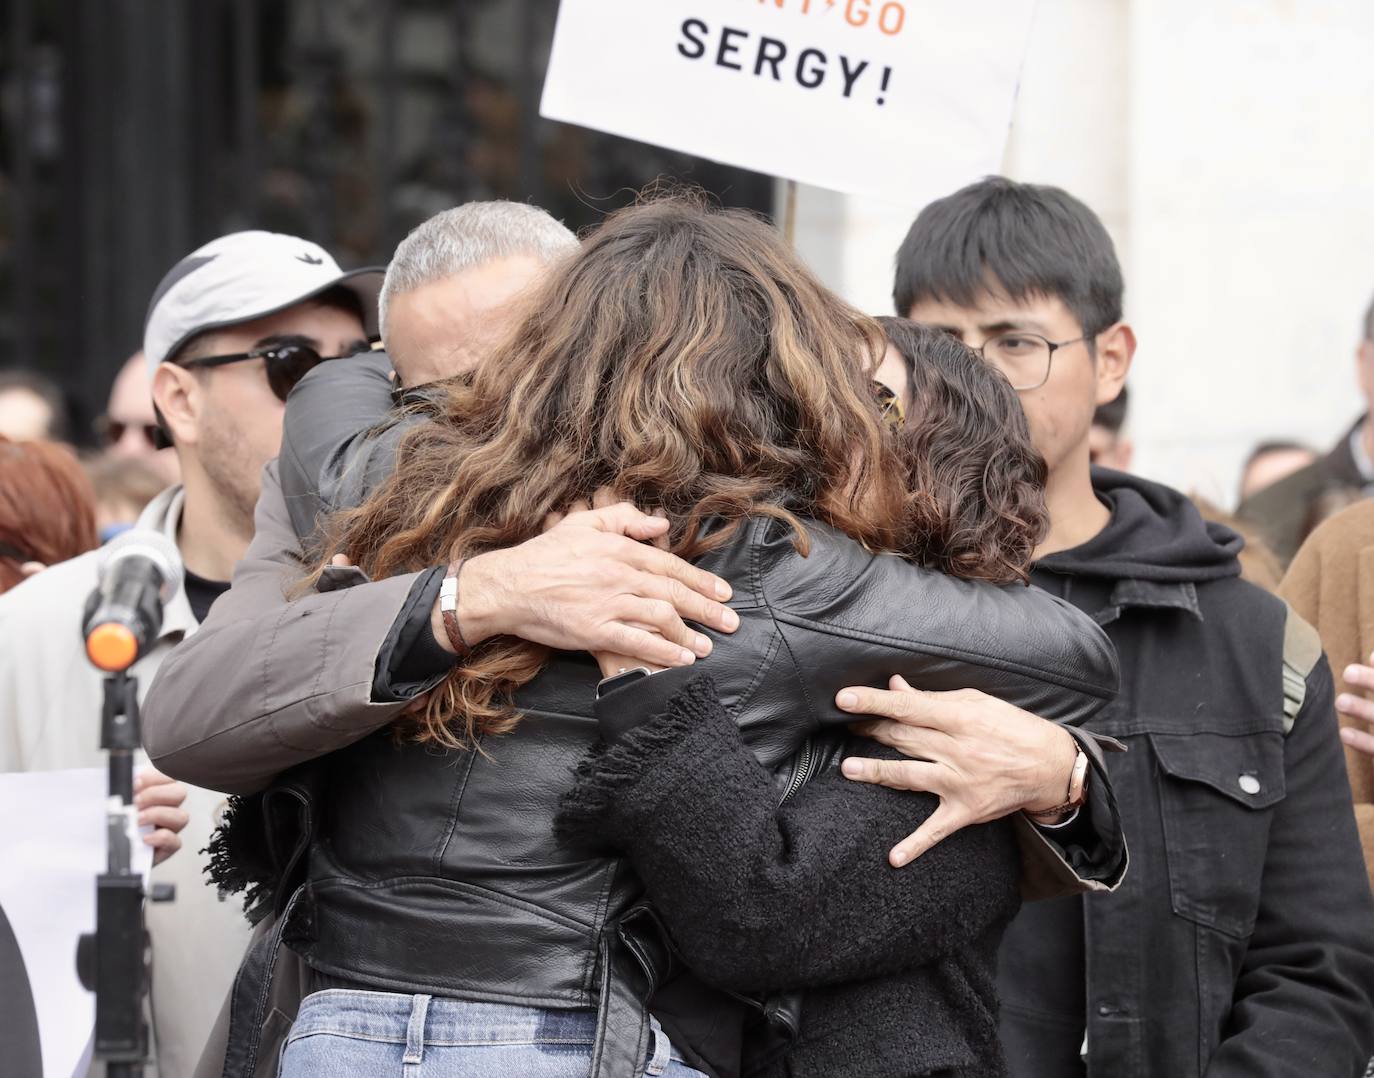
[[1075, 798], [620, 679]]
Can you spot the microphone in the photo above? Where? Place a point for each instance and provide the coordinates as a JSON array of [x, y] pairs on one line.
[[140, 571]]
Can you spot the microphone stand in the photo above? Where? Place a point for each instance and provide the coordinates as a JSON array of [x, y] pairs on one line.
[[113, 962]]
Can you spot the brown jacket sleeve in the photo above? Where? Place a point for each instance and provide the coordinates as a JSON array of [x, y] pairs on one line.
[[267, 682], [1331, 585]]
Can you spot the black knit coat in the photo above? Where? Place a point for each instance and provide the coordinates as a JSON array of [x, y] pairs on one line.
[[898, 965]]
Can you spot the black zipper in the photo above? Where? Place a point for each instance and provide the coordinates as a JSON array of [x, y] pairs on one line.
[[802, 773]]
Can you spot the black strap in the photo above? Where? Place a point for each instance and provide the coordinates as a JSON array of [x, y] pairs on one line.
[[622, 1020], [249, 999]]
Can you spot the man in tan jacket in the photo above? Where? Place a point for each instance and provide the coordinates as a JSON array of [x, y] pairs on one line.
[[1331, 584]]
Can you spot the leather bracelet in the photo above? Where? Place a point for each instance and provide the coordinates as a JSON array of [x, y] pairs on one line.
[[448, 608]]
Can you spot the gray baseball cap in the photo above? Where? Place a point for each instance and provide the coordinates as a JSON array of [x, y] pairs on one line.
[[243, 276]]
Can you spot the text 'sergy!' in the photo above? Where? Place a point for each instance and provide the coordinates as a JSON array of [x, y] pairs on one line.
[[770, 58]]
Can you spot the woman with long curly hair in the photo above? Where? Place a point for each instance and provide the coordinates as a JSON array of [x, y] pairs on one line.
[[474, 906]]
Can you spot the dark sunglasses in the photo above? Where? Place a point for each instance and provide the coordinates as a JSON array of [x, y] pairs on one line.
[[286, 364], [110, 431]]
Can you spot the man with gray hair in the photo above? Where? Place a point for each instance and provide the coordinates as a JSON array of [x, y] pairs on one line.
[[451, 279], [449, 294]]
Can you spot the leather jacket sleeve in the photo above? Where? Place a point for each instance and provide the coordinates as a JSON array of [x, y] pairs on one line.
[[845, 615], [811, 625]]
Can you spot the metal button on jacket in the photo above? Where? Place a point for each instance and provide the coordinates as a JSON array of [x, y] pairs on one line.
[[1249, 784]]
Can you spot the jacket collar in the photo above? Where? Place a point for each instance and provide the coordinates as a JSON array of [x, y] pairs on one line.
[[163, 515], [1131, 594]]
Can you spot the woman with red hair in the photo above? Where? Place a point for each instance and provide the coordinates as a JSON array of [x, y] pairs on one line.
[[47, 509]]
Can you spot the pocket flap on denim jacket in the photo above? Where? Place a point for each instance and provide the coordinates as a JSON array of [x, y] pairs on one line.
[[1247, 769]]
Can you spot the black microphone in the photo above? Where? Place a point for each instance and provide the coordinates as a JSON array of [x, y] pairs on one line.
[[140, 571]]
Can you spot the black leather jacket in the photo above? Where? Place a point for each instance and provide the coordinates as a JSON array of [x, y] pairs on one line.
[[439, 873]]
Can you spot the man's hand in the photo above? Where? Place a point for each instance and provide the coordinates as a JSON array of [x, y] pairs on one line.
[[983, 757], [593, 582], [1352, 706], [158, 800]]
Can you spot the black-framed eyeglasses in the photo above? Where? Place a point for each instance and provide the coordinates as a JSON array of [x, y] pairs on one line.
[[112, 431], [286, 364], [1025, 358]]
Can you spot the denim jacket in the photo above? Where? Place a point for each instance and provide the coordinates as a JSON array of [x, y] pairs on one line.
[[1242, 940]]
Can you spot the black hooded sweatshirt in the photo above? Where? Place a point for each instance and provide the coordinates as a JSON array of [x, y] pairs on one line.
[[1155, 535], [1157, 975]]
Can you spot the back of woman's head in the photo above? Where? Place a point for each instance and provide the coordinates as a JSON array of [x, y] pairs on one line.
[[47, 507], [685, 359], [977, 481]]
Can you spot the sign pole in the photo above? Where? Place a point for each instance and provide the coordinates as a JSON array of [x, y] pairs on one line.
[[789, 212]]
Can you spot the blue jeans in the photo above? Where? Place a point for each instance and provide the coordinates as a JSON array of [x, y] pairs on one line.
[[341, 1033]]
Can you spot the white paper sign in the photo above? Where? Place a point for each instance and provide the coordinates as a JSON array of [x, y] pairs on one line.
[[904, 100], [52, 845]]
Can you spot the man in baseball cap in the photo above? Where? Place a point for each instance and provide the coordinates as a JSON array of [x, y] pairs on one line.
[[230, 329]]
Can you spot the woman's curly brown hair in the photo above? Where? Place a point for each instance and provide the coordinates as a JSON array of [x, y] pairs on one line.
[[687, 360], [979, 479]]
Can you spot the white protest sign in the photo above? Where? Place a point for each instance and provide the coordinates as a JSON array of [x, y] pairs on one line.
[[52, 845], [904, 100]]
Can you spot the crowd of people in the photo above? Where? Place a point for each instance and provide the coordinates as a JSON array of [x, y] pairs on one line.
[[614, 655]]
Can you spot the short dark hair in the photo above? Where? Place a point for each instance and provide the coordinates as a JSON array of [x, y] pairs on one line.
[[1025, 238], [343, 299], [1112, 415], [1369, 322]]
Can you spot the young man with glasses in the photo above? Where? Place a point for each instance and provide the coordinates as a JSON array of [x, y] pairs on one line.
[[231, 328], [1240, 941]]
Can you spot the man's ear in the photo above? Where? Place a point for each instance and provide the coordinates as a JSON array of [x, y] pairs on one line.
[[1364, 368], [178, 397], [1115, 350]]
